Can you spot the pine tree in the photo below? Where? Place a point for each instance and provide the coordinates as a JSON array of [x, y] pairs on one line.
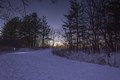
[[74, 25], [10, 32], [30, 30], [45, 31], [113, 24], [95, 9], [67, 27]]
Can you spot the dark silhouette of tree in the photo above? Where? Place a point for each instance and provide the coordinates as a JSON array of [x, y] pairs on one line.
[[94, 23], [10, 32], [53, 37], [97, 29], [45, 32], [74, 25], [27, 32], [68, 31], [113, 24], [30, 30]]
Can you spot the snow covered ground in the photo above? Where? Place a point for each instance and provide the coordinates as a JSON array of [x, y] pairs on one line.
[[98, 58], [42, 65]]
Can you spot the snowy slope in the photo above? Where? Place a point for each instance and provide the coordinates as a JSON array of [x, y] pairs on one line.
[[42, 65]]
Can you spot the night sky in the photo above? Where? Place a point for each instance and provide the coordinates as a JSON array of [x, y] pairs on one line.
[[54, 12]]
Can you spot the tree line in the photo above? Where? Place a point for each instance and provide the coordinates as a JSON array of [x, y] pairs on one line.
[[30, 31], [93, 25]]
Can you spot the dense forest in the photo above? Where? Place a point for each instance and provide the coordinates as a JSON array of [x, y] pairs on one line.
[[31, 31], [25, 31], [89, 25], [93, 25]]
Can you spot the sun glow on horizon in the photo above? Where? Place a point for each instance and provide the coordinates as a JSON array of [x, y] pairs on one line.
[[56, 43]]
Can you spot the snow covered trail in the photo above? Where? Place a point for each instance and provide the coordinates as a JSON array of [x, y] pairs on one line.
[[42, 65]]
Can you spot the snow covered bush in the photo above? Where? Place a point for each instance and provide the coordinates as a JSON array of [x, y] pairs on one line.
[[97, 58], [61, 52]]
